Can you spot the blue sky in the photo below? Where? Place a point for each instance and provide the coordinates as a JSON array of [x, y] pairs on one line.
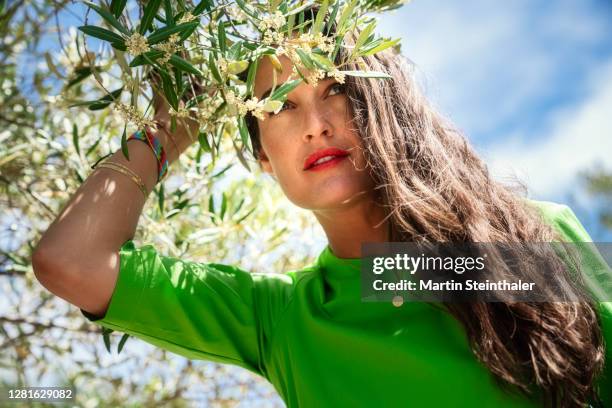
[[529, 83]]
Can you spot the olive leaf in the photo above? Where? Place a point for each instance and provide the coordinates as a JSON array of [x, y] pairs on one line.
[[108, 17], [379, 46], [178, 62], [204, 4], [164, 33], [318, 24], [122, 342], [105, 100], [75, 138], [168, 13], [117, 7], [284, 89], [368, 74], [148, 15], [102, 34]]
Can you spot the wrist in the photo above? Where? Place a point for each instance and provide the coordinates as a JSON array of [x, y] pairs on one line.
[[170, 143], [156, 145]]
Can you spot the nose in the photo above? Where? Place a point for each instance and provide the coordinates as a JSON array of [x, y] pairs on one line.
[[316, 122]]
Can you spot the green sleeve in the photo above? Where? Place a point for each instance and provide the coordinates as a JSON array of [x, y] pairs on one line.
[[202, 311], [572, 230]]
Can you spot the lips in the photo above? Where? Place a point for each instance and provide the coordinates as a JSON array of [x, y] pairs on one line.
[[325, 154]]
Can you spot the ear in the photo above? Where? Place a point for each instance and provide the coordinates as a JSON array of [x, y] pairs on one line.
[[264, 162]]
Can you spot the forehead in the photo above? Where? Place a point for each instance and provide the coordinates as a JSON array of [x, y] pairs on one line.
[[266, 72]]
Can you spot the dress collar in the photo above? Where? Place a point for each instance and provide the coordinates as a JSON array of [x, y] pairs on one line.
[[336, 267]]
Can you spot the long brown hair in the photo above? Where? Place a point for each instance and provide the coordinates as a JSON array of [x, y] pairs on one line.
[[437, 189]]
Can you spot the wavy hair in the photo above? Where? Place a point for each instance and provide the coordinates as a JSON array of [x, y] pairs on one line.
[[437, 189]]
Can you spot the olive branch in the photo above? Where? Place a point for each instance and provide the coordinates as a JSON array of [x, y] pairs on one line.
[[202, 58]]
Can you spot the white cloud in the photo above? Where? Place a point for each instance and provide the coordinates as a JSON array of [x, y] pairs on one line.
[[523, 79], [579, 136], [487, 64]]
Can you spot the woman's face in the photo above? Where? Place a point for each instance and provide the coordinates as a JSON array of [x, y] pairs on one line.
[[311, 120]]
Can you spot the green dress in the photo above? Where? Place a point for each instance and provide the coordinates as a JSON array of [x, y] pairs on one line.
[[310, 335]]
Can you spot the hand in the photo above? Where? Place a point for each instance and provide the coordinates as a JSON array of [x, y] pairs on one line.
[[186, 131]]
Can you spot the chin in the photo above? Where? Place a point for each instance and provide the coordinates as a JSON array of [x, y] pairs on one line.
[[331, 196]]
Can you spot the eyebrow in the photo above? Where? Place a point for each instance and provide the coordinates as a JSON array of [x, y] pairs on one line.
[[265, 94]]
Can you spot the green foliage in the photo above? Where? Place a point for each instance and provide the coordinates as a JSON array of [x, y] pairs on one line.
[[216, 42], [149, 13], [108, 17], [163, 33], [102, 34], [281, 92], [102, 102], [117, 7]]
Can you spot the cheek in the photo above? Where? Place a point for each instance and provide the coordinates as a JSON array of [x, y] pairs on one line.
[[275, 138], [341, 109], [279, 146], [291, 180], [286, 163]]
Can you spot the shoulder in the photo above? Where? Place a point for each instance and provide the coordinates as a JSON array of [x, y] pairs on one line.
[[549, 209], [283, 284], [275, 292], [563, 219]]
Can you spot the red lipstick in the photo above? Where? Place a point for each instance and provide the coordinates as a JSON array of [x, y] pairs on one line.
[[326, 157]]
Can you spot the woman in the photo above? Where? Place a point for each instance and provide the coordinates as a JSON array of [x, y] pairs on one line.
[[374, 163]]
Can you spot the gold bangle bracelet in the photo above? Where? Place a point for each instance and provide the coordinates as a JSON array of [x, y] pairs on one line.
[[128, 173], [126, 169], [131, 175]]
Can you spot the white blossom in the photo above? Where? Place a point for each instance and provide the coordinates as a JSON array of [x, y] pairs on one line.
[[274, 21], [187, 17], [130, 114], [169, 47], [337, 75], [137, 44]]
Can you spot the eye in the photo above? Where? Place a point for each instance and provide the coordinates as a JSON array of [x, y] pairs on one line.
[[285, 105], [336, 87]]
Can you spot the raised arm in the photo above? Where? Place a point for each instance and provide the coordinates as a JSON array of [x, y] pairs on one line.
[[77, 257]]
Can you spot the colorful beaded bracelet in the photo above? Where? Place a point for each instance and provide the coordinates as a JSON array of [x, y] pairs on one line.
[[155, 145]]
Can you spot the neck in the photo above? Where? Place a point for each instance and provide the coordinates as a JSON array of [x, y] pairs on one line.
[[347, 226]]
